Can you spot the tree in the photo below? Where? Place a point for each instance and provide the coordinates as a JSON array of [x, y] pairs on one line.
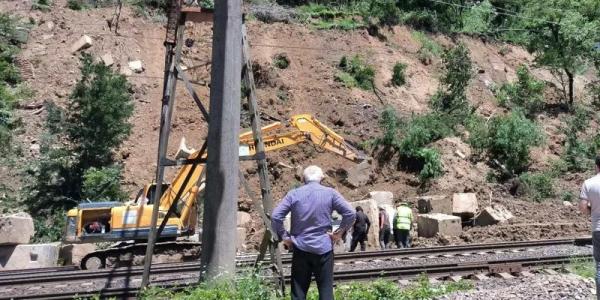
[[76, 160], [509, 139], [562, 34], [451, 97], [527, 92], [99, 108]]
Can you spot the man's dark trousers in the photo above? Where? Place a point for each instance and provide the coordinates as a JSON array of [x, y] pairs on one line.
[[306, 264], [358, 236], [401, 236]]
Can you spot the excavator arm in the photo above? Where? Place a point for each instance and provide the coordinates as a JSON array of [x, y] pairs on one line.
[[302, 128]]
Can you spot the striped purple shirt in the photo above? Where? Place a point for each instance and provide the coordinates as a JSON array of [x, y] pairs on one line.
[[311, 206]]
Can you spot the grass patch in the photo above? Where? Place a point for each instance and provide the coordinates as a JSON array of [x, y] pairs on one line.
[[252, 287], [427, 43], [76, 4], [42, 5], [281, 61], [398, 74], [355, 72], [248, 287], [388, 290], [582, 267], [326, 17]]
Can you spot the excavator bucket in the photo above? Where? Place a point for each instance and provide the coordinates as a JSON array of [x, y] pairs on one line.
[[184, 152]]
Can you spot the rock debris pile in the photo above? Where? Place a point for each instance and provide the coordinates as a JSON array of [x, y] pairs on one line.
[[562, 286]]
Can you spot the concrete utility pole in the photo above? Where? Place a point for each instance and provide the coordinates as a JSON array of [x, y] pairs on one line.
[[220, 206]]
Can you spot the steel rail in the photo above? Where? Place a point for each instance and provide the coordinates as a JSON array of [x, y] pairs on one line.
[[403, 272], [452, 249], [57, 274]]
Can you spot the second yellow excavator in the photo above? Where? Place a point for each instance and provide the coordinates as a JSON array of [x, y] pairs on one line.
[[117, 221]]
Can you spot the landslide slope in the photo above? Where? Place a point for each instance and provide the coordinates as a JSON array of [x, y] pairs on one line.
[[307, 85]]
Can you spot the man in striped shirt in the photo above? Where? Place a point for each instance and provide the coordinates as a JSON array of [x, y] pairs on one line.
[[310, 236]]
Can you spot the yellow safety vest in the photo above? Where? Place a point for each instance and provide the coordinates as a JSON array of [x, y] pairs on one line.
[[403, 217]]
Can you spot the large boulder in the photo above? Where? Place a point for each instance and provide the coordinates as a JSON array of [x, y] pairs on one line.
[[464, 204], [434, 204], [16, 229], [428, 225], [240, 244], [73, 253], [243, 218], [493, 215], [359, 175], [382, 197], [29, 256], [82, 43], [369, 207]]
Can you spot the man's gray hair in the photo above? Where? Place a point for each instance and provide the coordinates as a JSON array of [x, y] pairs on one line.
[[313, 173]]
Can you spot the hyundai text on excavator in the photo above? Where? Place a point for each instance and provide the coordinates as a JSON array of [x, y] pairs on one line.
[[120, 222]]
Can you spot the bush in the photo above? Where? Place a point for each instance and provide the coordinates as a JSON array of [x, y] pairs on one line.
[[389, 124], [458, 71], [578, 152], [10, 90], [50, 228], [381, 12], [432, 164], [526, 92], [420, 19], [75, 4], [478, 19], [281, 61], [43, 5], [423, 130], [427, 43], [361, 73], [538, 185], [398, 76], [331, 16], [103, 184], [508, 140]]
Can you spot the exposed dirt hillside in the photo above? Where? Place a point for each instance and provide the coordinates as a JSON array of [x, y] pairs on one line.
[[306, 86]]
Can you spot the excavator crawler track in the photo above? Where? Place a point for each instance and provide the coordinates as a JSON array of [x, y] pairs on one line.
[[133, 255]]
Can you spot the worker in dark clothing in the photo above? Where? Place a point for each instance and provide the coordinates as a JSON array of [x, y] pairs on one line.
[[384, 228], [360, 230]]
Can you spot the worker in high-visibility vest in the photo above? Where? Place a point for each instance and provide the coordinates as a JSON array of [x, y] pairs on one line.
[[402, 225]]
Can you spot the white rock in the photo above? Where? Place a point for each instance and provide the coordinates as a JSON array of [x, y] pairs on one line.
[[136, 66], [125, 71], [29, 256], [16, 229], [464, 204], [382, 197], [107, 59], [243, 218], [83, 43]]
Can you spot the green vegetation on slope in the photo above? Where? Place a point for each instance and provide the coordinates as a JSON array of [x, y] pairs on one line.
[[77, 151]]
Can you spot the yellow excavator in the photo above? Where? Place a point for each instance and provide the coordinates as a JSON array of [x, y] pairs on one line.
[[119, 222]]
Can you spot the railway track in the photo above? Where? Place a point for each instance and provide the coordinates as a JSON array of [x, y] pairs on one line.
[[13, 280]]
